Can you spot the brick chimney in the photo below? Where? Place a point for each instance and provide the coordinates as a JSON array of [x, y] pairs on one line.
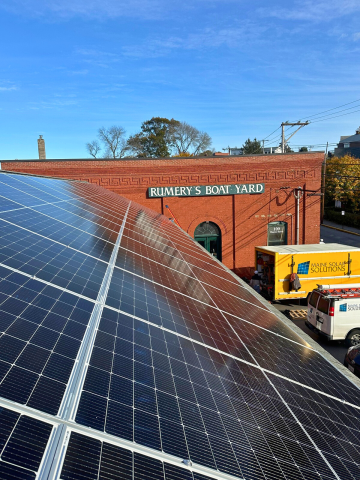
[[41, 148]]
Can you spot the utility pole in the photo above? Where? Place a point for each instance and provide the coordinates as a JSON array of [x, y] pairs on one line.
[[263, 145], [298, 193], [285, 140], [323, 184]]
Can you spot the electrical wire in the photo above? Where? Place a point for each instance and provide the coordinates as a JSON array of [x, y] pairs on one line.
[[319, 118], [272, 133], [335, 116], [335, 108]]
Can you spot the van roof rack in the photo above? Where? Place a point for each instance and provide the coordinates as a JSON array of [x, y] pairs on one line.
[[342, 291]]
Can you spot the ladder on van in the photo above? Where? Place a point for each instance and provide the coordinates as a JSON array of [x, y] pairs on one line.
[[340, 291]]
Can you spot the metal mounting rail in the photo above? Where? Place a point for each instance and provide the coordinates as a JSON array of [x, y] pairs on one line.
[[55, 452]]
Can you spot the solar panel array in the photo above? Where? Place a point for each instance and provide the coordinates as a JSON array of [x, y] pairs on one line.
[[128, 352]]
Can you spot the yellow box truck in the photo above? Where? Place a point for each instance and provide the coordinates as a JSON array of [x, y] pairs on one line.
[[314, 264]]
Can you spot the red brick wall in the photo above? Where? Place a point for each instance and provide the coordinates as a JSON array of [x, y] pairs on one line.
[[242, 219]]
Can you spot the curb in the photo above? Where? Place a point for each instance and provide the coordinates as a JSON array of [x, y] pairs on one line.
[[340, 229]]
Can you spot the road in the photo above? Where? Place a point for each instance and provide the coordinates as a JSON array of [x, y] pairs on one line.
[[329, 235]]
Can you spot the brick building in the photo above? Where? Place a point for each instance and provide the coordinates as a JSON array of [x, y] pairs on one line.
[[235, 203]]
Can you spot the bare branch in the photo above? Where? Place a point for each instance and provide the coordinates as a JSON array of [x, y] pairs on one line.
[[203, 143], [188, 139], [114, 141], [93, 148]]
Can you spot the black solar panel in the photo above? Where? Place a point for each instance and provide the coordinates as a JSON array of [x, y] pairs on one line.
[[127, 352]]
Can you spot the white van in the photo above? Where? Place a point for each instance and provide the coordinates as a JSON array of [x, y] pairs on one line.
[[334, 312]]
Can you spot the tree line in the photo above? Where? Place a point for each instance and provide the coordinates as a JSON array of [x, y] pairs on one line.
[[158, 138]]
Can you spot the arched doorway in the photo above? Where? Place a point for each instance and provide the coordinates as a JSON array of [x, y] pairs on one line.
[[208, 234]]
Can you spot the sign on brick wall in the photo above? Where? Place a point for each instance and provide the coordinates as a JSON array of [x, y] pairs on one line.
[[206, 190]]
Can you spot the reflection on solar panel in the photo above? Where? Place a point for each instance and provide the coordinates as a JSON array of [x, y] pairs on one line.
[[128, 352]]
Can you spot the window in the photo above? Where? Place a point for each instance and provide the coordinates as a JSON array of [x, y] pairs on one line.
[[346, 145], [313, 299], [277, 233], [323, 305]]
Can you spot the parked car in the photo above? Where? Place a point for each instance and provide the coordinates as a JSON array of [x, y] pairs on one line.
[[352, 360], [334, 312]]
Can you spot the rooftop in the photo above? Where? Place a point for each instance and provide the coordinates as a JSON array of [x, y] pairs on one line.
[[312, 248]]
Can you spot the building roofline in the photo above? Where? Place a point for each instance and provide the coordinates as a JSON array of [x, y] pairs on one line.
[[225, 157]]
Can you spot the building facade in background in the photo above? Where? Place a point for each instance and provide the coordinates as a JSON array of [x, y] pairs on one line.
[[349, 145], [228, 204]]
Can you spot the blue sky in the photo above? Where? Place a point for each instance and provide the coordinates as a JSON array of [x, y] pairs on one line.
[[233, 68]]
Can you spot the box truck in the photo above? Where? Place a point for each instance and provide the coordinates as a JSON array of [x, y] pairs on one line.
[[329, 263]]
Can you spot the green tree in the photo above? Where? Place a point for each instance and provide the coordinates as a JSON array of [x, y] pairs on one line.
[[252, 146], [303, 149], [343, 181], [155, 138]]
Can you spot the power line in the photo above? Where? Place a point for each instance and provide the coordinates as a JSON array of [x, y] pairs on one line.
[[335, 116], [335, 108], [272, 133], [332, 114], [319, 119], [275, 139]]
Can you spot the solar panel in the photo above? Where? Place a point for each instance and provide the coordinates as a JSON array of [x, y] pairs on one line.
[[128, 352], [23, 441]]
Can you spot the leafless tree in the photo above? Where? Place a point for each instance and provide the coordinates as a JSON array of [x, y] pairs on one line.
[[188, 139], [93, 148], [114, 141], [203, 143]]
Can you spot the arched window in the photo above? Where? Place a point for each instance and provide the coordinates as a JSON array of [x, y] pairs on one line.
[[208, 234], [277, 233]]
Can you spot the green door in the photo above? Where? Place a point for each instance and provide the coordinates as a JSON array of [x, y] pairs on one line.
[[208, 235]]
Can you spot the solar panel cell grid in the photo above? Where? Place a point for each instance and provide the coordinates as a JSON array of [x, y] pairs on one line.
[[91, 459], [176, 312], [55, 264], [193, 414], [60, 232], [22, 444], [38, 346], [294, 362]]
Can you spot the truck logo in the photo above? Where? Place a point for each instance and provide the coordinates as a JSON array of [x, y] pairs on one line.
[[343, 307], [303, 268], [354, 307], [322, 267]]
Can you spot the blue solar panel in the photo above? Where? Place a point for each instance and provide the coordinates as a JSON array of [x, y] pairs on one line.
[[303, 268], [23, 441], [128, 352]]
